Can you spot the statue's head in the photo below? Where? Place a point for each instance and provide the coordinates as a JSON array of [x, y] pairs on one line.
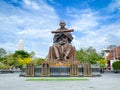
[[62, 24]]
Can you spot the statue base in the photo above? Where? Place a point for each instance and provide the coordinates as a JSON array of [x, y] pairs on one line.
[[60, 70]]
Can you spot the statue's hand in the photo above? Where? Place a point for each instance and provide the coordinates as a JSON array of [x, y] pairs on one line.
[[66, 58]]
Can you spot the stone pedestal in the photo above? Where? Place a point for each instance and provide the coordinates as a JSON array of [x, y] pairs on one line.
[[45, 69], [73, 69], [62, 71], [87, 70], [29, 70]]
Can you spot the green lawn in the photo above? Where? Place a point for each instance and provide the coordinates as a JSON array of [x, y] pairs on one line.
[[57, 79]]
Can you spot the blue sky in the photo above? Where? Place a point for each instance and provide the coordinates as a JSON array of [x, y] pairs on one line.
[[96, 23]]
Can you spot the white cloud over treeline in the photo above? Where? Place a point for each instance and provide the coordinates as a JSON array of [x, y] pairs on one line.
[[35, 19]]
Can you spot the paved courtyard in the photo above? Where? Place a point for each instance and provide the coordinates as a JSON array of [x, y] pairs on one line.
[[108, 81]]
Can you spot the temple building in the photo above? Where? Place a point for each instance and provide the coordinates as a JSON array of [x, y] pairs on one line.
[[21, 43], [113, 55]]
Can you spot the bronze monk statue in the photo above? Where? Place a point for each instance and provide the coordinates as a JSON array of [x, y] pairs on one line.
[[62, 49]]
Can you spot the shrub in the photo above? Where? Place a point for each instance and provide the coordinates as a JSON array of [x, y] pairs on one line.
[[3, 67], [24, 61], [116, 65], [38, 61], [102, 63]]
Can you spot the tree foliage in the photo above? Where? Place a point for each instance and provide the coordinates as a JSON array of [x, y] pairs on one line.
[[2, 52], [24, 61], [32, 54], [38, 61], [18, 59], [102, 63], [116, 65], [21, 54], [88, 55]]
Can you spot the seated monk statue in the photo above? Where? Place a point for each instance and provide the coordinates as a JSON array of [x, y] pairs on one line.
[[62, 49]]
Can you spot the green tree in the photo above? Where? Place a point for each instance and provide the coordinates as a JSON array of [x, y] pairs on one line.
[[80, 55], [21, 54], [32, 54], [102, 63], [38, 61], [2, 52], [116, 65], [88, 55], [2, 58], [11, 60]]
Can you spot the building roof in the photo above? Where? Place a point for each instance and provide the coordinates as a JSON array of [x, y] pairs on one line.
[[114, 54]]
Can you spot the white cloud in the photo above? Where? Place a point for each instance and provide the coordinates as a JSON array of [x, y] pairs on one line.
[[83, 20], [32, 4], [114, 5], [37, 34], [90, 23], [35, 26], [36, 19], [100, 38], [8, 46]]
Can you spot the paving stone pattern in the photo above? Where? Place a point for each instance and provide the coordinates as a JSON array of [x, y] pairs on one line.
[[108, 81]]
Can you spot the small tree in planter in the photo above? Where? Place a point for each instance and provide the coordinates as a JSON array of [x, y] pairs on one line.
[[116, 66], [102, 64]]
